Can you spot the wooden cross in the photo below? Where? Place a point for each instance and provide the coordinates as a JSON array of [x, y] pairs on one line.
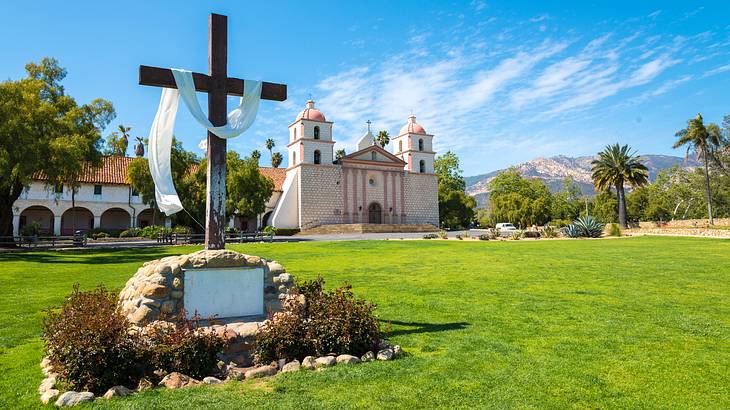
[[218, 86]]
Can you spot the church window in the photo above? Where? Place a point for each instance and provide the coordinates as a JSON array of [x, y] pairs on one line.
[[374, 155], [400, 146], [420, 144], [293, 158], [371, 182], [317, 157], [316, 132], [97, 189], [422, 165], [295, 133]]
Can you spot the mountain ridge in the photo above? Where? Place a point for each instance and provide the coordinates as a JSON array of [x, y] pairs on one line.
[[554, 170]]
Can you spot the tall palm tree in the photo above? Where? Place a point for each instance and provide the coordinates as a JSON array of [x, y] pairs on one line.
[[276, 159], [124, 141], [256, 155], [270, 144], [616, 166], [703, 141]]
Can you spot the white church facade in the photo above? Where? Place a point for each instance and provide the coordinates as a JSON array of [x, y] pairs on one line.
[[369, 186]]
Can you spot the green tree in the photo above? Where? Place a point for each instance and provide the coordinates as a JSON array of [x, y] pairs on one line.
[[187, 184], [450, 176], [43, 130], [383, 138], [456, 209], [616, 166], [567, 203], [604, 207], [519, 200], [270, 144], [247, 190], [704, 141], [276, 159], [339, 154]]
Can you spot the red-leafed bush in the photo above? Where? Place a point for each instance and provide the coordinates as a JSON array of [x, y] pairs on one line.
[[316, 322], [89, 344]]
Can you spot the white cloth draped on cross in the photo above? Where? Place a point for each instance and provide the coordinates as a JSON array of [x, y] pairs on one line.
[[160, 139]]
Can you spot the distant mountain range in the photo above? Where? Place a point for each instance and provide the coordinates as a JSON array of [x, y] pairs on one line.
[[554, 170]]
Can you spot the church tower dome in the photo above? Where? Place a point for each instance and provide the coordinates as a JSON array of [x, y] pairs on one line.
[[311, 113], [412, 127]]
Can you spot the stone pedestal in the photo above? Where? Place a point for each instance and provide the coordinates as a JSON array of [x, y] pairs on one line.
[[222, 283]]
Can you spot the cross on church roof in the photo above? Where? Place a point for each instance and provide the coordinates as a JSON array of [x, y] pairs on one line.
[[368, 123]]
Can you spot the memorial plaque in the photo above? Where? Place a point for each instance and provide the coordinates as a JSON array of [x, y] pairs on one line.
[[224, 292]]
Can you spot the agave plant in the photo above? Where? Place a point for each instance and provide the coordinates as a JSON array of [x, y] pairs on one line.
[[549, 231], [589, 227], [572, 231]]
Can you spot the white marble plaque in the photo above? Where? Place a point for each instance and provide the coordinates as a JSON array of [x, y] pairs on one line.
[[224, 292]]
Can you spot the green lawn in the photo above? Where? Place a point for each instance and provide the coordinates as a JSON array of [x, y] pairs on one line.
[[618, 323]]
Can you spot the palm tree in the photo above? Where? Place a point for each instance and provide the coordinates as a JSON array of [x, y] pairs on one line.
[[270, 144], [276, 159], [256, 155], [383, 138], [339, 154], [616, 166], [124, 141], [703, 141]]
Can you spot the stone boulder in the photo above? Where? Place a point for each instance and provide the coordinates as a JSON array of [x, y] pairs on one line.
[[156, 291], [292, 366], [325, 361], [309, 362], [347, 359], [177, 380], [212, 380], [385, 354], [117, 391], [368, 357], [72, 398], [262, 371]]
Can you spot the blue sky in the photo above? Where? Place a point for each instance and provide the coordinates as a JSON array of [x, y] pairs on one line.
[[497, 82]]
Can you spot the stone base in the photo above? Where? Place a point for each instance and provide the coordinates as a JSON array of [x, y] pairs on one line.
[[156, 291], [368, 228]]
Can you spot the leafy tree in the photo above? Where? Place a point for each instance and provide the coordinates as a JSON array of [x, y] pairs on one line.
[[456, 209], [383, 138], [616, 166], [43, 130], [519, 200], [181, 164], [276, 159], [247, 190], [450, 176], [339, 154], [567, 203], [704, 141], [603, 207]]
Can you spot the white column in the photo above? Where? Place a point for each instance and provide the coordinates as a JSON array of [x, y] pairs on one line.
[[57, 225], [97, 222], [16, 225]]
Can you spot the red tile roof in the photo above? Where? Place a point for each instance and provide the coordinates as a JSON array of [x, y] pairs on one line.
[[114, 171]]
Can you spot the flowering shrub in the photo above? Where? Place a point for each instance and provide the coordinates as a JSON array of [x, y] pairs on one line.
[[88, 342], [315, 322], [91, 345]]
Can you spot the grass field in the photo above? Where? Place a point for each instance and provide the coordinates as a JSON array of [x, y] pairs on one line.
[[619, 323]]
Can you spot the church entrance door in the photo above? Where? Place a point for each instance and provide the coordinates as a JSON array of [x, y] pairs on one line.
[[375, 213]]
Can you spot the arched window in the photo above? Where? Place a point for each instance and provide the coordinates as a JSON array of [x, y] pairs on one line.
[[422, 165], [420, 144], [317, 157], [293, 158], [316, 132], [374, 155], [400, 146], [295, 133]]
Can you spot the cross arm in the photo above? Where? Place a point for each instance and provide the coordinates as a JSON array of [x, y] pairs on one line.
[[162, 77]]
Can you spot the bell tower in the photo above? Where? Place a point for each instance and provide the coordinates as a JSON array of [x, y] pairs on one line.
[[310, 138], [415, 146]]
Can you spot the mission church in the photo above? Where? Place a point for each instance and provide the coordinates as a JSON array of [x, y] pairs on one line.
[[368, 186]]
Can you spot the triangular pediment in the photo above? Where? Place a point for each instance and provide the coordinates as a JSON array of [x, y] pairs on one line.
[[374, 154]]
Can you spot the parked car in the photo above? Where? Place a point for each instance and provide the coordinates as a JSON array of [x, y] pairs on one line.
[[505, 228]]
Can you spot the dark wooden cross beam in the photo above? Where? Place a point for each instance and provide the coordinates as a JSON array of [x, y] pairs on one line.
[[218, 86]]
